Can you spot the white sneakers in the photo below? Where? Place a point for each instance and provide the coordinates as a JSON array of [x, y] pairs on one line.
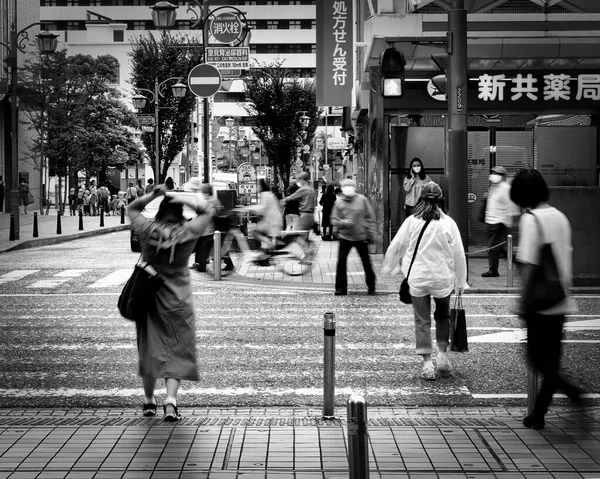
[[444, 368]]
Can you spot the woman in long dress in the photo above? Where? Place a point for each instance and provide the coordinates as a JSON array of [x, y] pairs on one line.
[[166, 339]]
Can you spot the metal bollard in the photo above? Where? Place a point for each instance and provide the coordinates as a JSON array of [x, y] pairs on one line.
[[35, 225], [122, 215], [329, 366], [80, 220], [532, 388], [217, 256], [509, 260], [58, 225], [358, 438], [11, 233], [101, 216]]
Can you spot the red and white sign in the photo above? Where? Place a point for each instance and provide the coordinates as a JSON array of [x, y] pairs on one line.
[[204, 80]]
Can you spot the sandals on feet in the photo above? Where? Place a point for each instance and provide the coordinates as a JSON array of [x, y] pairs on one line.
[[149, 410], [172, 416]]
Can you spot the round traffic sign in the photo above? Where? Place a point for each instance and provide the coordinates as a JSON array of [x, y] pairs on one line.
[[204, 80], [226, 27]]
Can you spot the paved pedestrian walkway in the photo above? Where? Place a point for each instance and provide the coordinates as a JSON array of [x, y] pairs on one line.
[[298, 443]]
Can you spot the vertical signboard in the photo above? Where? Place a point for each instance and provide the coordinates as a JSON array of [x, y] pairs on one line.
[[335, 70]]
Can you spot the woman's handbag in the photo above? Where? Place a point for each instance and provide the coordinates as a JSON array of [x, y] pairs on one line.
[[30, 199], [137, 298], [404, 292], [458, 327], [544, 288]]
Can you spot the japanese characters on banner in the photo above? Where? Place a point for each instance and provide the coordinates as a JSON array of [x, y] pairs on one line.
[[335, 72], [547, 87]]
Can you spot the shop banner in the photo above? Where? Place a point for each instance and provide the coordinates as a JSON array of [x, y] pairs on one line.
[[335, 70]]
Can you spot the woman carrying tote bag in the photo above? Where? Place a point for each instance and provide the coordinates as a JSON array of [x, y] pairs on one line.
[[543, 226], [439, 267]]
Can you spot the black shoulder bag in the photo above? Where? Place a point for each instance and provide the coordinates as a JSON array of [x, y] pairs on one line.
[[404, 293]]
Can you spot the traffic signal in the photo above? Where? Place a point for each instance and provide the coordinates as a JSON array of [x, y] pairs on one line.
[[391, 69], [441, 81]]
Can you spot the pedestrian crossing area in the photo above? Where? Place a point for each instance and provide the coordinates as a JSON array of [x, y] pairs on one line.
[[34, 279]]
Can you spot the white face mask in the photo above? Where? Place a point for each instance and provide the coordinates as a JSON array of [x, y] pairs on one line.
[[495, 179], [417, 169], [348, 190], [298, 184]]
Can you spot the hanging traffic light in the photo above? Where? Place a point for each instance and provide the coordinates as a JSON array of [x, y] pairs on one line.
[[441, 81], [391, 69]]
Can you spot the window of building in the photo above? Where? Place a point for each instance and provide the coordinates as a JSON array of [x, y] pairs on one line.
[[73, 26], [272, 24], [252, 24], [272, 49], [139, 25], [49, 3], [119, 35], [294, 48], [295, 25]]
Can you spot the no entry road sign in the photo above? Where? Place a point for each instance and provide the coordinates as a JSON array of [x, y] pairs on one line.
[[204, 80]]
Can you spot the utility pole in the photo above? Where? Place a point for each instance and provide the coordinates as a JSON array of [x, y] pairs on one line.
[[457, 169]]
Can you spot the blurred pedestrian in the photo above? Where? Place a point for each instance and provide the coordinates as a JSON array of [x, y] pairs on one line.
[[139, 189], [413, 182], [544, 224], [150, 185], [104, 199], [271, 220], [72, 202], [499, 211], [305, 195], [80, 200], [354, 218], [23, 196], [86, 203], [131, 193], [290, 209], [327, 201], [439, 266], [93, 200], [170, 184], [167, 339]]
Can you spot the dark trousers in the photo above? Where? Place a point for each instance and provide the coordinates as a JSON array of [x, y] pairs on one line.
[[203, 249], [544, 336], [498, 233], [341, 276]]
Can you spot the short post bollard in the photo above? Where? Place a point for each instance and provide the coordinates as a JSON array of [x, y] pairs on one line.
[[329, 366], [358, 438], [532, 388], [509, 260], [101, 216], [122, 215], [80, 220], [11, 233], [58, 225], [35, 225], [217, 256]]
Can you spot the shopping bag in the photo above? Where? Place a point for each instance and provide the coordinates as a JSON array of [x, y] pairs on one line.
[[458, 327], [30, 199]]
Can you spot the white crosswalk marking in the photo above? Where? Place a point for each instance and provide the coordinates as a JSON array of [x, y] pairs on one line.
[[115, 278], [16, 275], [59, 278]]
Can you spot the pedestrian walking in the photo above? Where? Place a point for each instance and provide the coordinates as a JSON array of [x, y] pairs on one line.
[[93, 200], [271, 220], [413, 182], [327, 201], [23, 196], [290, 209], [139, 189], [72, 202], [439, 266], [150, 185], [305, 195], [543, 224], [2, 194], [80, 200], [354, 218], [167, 339], [499, 211], [87, 207], [104, 199], [131, 193]]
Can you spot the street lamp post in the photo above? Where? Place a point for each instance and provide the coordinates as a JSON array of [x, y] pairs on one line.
[[47, 43], [164, 16], [139, 102]]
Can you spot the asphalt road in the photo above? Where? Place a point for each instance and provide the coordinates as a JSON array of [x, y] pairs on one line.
[[63, 343]]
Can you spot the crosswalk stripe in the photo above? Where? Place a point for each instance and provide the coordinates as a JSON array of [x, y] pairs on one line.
[[59, 278], [115, 278], [16, 275]]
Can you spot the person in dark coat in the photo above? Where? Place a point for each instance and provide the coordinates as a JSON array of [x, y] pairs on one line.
[[327, 202]]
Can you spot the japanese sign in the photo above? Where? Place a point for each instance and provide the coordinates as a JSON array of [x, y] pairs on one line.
[[229, 57], [335, 72], [246, 176], [226, 27]]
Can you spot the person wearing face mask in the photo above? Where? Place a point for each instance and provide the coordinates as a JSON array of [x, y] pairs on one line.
[[305, 195], [354, 218], [498, 216], [413, 182]]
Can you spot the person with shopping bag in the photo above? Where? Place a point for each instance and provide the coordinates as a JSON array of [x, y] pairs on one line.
[[437, 266], [545, 262]]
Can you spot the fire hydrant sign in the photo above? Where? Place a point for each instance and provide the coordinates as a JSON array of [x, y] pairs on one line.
[[246, 175]]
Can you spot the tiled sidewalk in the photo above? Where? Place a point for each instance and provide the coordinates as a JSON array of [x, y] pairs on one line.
[[296, 443]]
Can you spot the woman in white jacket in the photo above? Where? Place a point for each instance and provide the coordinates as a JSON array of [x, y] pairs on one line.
[[439, 267]]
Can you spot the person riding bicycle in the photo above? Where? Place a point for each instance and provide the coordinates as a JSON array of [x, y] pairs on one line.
[[305, 195], [271, 219]]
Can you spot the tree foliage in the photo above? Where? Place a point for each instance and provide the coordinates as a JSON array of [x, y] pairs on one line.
[[277, 100], [163, 58]]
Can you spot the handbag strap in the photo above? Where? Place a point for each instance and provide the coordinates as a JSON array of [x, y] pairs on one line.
[[417, 247], [539, 223]]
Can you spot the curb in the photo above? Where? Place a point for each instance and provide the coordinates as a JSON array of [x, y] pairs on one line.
[[63, 238]]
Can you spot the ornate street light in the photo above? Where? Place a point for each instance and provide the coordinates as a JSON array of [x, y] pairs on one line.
[[47, 42], [178, 90], [164, 15]]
